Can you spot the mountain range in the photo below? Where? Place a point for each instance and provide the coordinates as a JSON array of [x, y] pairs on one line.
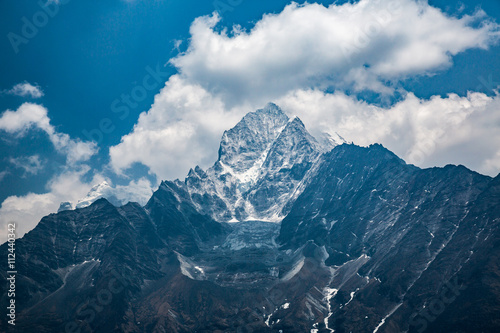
[[284, 233]]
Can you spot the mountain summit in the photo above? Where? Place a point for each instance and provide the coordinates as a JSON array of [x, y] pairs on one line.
[[243, 146], [262, 162]]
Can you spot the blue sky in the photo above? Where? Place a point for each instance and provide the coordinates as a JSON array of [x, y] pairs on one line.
[[91, 54]]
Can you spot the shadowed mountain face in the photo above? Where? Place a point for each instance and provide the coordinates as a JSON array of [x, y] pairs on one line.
[[282, 233]]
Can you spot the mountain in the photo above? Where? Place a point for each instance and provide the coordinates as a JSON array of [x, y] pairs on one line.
[[283, 233], [266, 155], [117, 195]]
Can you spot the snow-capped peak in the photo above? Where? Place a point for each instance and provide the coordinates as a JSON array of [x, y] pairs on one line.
[[243, 145], [262, 162], [139, 191], [97, 191]]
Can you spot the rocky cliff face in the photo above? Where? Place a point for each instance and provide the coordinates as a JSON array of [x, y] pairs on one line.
[[322, 238]]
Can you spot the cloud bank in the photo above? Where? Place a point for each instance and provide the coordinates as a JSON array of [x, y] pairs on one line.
[[434, 132], [181, 130]]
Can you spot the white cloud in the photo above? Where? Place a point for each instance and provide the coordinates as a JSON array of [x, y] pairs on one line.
[[182, 129], [26, 116], [30, 164], [136, 191], [357, 46], [434, 132], [27, 210], [26, 89], [30, 115]]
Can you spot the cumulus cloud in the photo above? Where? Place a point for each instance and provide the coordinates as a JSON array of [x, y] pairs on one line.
[[181, 129], [362, 46], [136, 191], [434, 132], [29, 116], [69, 185], [27, 210], [26, 89]]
